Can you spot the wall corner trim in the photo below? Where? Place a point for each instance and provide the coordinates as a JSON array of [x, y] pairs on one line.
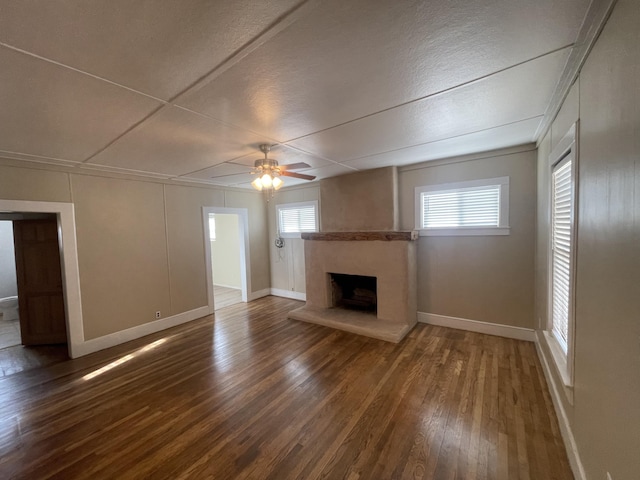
[[565, 427], [278, 292], [508, 331], [117, 338]]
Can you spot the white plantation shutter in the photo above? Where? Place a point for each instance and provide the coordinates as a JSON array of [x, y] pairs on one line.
[[297, 218], [463, 207], [561, 245]]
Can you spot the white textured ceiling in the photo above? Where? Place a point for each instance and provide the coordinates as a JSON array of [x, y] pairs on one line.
[[188, 89]]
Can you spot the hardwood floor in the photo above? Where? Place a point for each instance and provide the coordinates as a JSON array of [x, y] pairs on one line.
[[250, 394], [18, 358], [9, 332], [225, 296], [15, 358]]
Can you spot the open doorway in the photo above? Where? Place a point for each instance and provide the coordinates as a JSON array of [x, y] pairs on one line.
[[9, 312], [66, 234], [33, 330], [227, 255]]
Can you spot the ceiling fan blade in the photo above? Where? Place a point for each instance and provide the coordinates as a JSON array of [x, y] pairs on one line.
[[284, 173], [295, 166]]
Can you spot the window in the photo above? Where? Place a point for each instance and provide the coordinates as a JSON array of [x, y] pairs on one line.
[[478, 207], [561, 246], [559, 333], [294, 218], [212, 228]]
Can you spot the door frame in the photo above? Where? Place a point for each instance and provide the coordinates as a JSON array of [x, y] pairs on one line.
[[243, 232], [65, 214]]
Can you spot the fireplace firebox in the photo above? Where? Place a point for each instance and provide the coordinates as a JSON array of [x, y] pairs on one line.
[[354, 292]]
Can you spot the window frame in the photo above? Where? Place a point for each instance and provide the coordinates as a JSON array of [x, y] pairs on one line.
[[284, 206], [502, 228], [564, 361]]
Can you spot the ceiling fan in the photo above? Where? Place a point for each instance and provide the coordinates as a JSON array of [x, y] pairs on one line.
[[269, 172]]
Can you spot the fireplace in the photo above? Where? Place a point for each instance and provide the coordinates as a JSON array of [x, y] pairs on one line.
[[380, 258], [354, 292], [361, 282]]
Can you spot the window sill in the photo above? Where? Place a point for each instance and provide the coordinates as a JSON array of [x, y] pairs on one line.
[[291, 235], [464, 232], [559, 359]]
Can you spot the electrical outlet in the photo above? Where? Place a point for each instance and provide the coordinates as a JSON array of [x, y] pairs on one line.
[[158, 314]]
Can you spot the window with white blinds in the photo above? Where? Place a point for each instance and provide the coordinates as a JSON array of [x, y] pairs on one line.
[[478, 207], [561, 246], [295, 218]]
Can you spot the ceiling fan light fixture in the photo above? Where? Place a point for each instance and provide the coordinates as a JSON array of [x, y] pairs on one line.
[[257, 184], [268, 173], [266, 180]]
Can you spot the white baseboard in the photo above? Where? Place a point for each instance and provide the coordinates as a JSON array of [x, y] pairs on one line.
[[561, 414], [507, 331], [234, 287], [259, 294], [289, 294], [116, 338]]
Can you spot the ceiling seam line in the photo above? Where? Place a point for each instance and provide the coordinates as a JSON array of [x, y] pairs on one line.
[[227, 124], [447, 138], [287, 143], [272, 30], [436, 162], [254, 44], [279, 25], [432, 95], [122, 170], [128, 130], [82, 72]]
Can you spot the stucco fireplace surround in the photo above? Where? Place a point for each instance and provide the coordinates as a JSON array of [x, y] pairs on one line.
[[388, 256]]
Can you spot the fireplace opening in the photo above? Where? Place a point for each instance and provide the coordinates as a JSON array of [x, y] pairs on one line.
[[354, 292]]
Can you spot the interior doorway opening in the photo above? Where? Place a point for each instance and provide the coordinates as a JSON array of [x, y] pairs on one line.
[[226, 232], [9, 311], [66, 235], [33, 326]]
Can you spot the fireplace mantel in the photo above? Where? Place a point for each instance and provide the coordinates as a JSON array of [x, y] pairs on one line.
[[387, 236]]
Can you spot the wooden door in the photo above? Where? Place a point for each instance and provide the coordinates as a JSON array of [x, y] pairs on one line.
[[39, 275]]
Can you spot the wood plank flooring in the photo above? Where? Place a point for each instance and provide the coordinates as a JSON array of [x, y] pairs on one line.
[[20, 358], [9, 332], [225, 296], [249, 394], [16, 358]]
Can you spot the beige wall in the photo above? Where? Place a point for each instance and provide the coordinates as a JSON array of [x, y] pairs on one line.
[[225, 251], [140, 242], [605, 410], [33, 184], [287, 263], [122, 253], [185, 238], [362, 201], [484, 278]]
